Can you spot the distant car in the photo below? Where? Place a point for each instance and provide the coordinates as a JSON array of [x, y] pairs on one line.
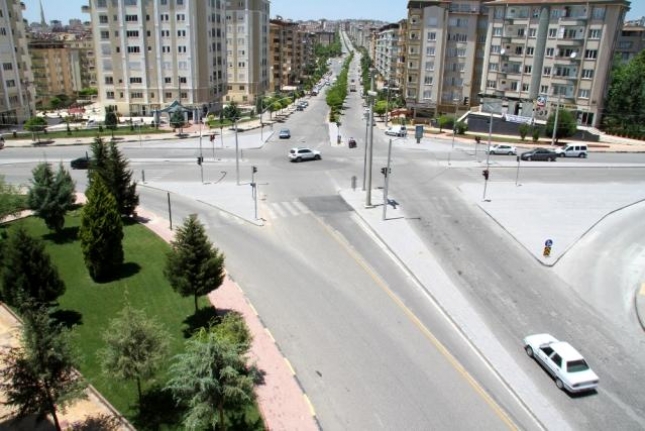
[[508, 150], [396, 131], [303, 103], [81, 163], [302, 153], [284, 134], [574, 150], [540, 154], [567, 366], [351, 143]]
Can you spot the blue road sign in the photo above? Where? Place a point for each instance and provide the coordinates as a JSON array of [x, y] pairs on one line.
[[548, 243]]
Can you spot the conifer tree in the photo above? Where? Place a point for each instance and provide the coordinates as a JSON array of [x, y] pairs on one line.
[[101, 231], [51, 196], [194, 266]]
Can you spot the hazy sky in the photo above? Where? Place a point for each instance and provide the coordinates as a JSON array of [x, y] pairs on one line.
[[384, 10]]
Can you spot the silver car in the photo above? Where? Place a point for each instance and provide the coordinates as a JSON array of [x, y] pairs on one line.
[[301, 153], [508, 150]]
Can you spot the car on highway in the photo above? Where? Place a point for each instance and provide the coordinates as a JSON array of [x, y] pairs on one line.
[[572, 151], [81, 163], [302, 153], [508, 150], [565, 364], [284, 134], [540, 154], [396, 131]]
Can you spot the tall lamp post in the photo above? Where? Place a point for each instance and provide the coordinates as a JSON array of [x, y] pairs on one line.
[[454, 129], [368, 124]]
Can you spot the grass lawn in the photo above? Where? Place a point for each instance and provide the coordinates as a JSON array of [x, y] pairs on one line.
[[81, 132], [89, 306]]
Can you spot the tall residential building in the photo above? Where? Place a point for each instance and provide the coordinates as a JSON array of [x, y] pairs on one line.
[[62, 64], [292, 51], [631, 41], [539, 52], [387, 53], [16, 83], [444, 55], [247, 39], [150, 53]]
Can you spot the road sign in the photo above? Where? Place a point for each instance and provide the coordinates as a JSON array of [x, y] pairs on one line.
[[548, 243], [547, 251]]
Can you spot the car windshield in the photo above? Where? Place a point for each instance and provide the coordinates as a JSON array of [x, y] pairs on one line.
[[577, 366]]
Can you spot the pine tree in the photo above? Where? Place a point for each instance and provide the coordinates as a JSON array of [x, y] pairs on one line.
[[210, 377], [194, 266], [101, 231], [28, 275], [135, 347], [50, 197], [39, 377]]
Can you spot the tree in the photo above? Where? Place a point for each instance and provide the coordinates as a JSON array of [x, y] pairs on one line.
[[135, 347], [446, 122], [39, 375], [28, 275], [232, 328], [380, 107], [11, 202], [566, 126], [108, 163], [111, 120], [101, 231], [461, 127], [524, 130], [50, 197], [210, 377], [177, 120], [625, 104], [232, 112], [35, 125], [55, 102], [194, 266]]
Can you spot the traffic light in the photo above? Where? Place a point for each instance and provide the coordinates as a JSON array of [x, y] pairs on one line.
[[200, 160], [485, 173], [255, 169], [386, 171]]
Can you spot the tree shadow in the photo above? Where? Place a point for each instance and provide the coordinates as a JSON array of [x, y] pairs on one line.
[[203, 318], [156, 409], [68, 318], [125, 270], [65, 236], [240, 422], [101, 422], [28, 423], [129, 221]]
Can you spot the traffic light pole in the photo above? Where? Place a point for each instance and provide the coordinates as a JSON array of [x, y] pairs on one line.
[[387, 180]]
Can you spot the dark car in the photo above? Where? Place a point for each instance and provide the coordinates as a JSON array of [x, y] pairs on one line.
[[540, 154], [352, 143], [81, 163]]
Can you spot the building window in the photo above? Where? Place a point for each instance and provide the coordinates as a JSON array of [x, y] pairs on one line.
[[182, 79], [428, 80], [131, 18], [544, 89], [130, 2], [136, 95], [587, 73], [132, 33], [553, 32], [528, 69], [495, 49], [181, 33], [519, 50], [105, 34], [181, 49], [103, 19], [493, 67], [514, 85], [165, 33], [491, 84], [168, 95], [584, 94], [550, 52], [167, 80], [184, 95], [101, 3], [521, 32], [591, 53], [165, 49], [525, 87], [498, 31], [598, 12], [109, 94], [109, 80], [595, 34], [10, 83], [533, 32], [546, 71], [181, 17], [136, 80], [530, 50], [133, 49], [430, 51], [432, 36], [7, 66], [429, 66]]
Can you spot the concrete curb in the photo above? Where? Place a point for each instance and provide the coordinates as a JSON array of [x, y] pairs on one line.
[[639, 302]]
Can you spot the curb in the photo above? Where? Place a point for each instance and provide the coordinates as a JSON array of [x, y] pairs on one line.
[[639, 302]]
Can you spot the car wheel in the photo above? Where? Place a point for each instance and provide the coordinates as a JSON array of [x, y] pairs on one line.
[[298, 160], [317, 157], [528, 158], [552, 159], [582, 155], [529, 351], [559, 384]]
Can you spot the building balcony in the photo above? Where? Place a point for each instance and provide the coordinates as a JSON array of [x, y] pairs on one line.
[[570, 42]]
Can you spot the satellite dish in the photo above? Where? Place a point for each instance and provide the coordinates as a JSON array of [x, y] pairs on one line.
[[502, 52], [573, 55]]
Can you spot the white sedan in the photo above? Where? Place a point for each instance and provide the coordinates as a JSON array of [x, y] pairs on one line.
[[508, 150], [562, 361]]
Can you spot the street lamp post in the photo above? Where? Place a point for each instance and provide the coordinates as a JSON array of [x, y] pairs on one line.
[[454, 130], [368, 126], [237, 154], [387, 179], [201, 154]]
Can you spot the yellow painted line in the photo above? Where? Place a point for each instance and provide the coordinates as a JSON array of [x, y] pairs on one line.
[[642, 291], [311, 406], [497, 409], [269, 334], [290, 367]]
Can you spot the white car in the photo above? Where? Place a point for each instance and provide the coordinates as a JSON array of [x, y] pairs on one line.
[[301, 153], [508, 150], [562, 361]]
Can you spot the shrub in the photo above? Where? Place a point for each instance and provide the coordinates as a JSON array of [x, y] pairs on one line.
[[461, 127]]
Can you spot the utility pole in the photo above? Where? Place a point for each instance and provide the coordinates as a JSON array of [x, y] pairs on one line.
[[367, 134], [201, 155], [387, 179], [370, 156]]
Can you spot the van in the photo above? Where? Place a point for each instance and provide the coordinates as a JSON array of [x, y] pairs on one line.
[[572, 150], [396, 131]]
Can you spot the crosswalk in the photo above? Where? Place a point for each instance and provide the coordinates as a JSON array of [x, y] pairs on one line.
[[275, 210]]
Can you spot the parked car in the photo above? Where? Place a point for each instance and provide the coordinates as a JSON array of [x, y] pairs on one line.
[[567, 366], [284, 134], [572, 151], [81, 163], [396, 131], [301, 153], [508, 150], [540, 154]]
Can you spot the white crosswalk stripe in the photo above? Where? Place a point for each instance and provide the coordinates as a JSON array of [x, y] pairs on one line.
[[275, 210]]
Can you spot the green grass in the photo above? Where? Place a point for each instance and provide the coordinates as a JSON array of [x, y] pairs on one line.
[[89, 306], [82, 132]]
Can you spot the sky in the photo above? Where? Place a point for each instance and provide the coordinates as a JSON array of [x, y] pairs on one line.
[[383, 10]]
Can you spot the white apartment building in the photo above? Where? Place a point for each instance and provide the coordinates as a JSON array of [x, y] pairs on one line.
[[539, 52], [247, 40], [387, 53], [16, 79], [150, 53]]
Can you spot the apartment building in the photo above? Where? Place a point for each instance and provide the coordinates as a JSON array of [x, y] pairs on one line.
[[444, 50], [541, 53], [292, 52], [150, 53], [16, 83], [247, 44], [62, 63], [386, 57], [631, 41]]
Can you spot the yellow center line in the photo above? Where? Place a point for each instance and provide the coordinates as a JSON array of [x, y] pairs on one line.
[[497, 409]]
